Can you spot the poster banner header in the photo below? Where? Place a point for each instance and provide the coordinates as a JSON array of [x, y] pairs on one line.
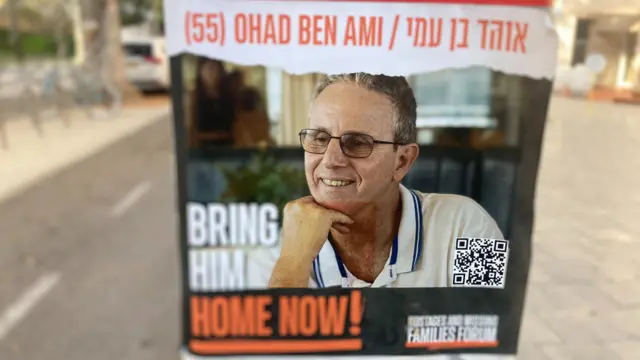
[[394, 38]]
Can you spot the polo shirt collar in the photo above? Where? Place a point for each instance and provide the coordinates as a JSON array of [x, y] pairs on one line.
[[329, 271]]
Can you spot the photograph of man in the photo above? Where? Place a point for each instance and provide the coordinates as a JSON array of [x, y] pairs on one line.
[[361, 227]]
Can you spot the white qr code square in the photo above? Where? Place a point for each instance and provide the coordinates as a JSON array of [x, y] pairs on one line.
[[480, 263]]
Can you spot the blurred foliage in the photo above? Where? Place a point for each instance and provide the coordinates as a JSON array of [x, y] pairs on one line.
[[264, 180], [37, 26], [134, 12], [33, 44]]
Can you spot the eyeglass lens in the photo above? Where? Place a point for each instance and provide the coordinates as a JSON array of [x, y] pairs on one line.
[[352, 144]]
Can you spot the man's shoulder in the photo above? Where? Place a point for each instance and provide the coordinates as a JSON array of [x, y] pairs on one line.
[[451, 205], [461, 213], [433, 200]]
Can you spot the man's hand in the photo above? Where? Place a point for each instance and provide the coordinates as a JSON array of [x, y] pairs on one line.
[[304, 231]]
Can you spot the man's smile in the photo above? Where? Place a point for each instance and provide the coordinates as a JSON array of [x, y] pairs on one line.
[[336, 182]]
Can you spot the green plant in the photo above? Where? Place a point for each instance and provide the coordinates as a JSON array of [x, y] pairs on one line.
[[264, 180], [33, 44]]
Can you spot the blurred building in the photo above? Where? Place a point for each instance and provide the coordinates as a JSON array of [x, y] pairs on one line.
[[608, 28]]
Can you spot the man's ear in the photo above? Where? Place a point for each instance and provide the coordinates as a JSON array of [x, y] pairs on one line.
[[406, 156]]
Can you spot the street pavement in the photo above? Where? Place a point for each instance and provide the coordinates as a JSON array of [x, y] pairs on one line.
[[115, 259], [96, 245], [26, 155], [583, 301]]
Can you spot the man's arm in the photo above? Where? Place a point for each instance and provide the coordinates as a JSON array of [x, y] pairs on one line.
[[304, 231], [291, 273]]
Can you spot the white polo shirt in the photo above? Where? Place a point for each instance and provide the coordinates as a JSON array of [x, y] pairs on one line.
[[421, 254]]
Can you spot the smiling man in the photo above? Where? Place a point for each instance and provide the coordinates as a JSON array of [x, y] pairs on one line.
[[360, 227]]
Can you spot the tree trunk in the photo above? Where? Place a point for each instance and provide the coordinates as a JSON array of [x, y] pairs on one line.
[[92, 21], [104, 54], [79, 41], [114, 54]]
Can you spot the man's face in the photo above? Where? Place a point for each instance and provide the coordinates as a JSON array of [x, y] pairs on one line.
[[336, 180]]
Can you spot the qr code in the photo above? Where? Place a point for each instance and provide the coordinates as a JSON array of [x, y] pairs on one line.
[[480, 262]]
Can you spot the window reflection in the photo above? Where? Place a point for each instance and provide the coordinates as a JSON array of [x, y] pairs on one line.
[[471, 107]]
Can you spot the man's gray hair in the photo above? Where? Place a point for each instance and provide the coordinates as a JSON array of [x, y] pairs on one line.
[[396, 88]]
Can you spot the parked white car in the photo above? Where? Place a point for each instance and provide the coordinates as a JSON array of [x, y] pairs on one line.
[[147, 65]]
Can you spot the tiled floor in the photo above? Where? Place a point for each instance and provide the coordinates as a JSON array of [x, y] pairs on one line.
[[583, 300]]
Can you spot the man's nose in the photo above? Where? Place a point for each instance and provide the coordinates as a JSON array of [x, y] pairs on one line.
[[334, 157]]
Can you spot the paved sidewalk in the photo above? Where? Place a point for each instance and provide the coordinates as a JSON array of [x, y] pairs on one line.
[[583, 301], [29, 158]]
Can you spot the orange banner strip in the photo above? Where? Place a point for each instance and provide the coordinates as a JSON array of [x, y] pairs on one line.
[[211, 347]]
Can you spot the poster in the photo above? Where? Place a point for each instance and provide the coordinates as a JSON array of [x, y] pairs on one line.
[[272, 150]]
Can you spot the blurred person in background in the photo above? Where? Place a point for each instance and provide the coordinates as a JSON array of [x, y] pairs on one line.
[[251, 124], [236, 81], [212, 106]]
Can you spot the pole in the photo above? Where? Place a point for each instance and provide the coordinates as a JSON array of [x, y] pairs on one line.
[[79, 41]]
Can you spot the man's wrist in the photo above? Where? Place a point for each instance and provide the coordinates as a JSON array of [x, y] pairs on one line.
[[295, 264], [291, 272]]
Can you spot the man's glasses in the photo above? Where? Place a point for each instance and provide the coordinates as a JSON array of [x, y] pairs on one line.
[[353, 145]]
